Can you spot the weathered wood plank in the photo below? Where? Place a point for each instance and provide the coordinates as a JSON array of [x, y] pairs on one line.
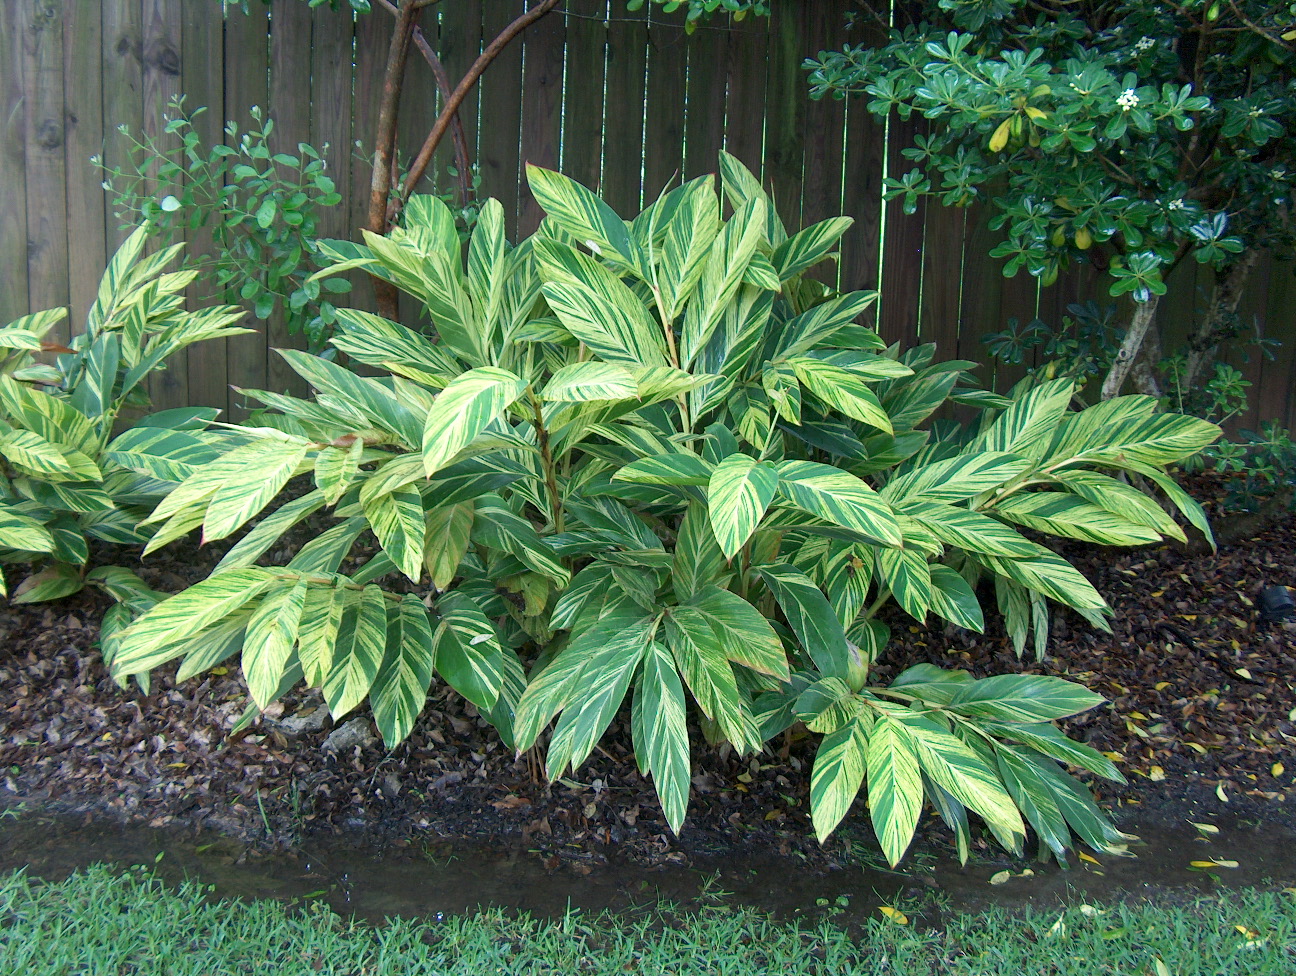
[[44, 138], [290, 106], [459, 43], [372, 36], [942, 258], [748, 74], [982, 291], [902, 245], [202, 78], [82, 96], [667, 78], [501, 111], [13, 201], [542, 107], [708, 82], [161, 83], [823, 130], [786, 139], [627, 59], [1276, 398], [123, 85], [582, 134], [246, 84]]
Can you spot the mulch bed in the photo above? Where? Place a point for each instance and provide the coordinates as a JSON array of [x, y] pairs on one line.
[[1202, 721]]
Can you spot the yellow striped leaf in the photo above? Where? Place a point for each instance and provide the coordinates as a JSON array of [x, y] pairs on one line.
[[739, 491], [465, 408]]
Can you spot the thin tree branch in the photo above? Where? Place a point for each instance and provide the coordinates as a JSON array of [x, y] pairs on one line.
[[462, 162], [424, 157]]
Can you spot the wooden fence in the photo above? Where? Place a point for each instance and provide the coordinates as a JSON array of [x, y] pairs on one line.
[[622, 101]]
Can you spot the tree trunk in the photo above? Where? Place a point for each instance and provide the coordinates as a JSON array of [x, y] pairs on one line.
[[1215, 326], [380, 183], [1144, 313]]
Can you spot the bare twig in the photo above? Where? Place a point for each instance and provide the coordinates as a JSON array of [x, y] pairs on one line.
[[462, 161], [424, 157]]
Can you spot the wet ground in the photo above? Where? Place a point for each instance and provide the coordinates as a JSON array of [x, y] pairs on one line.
[[1202, 722], [427, 878]]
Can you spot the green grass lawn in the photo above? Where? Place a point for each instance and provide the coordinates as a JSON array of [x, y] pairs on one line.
[[100, 922]]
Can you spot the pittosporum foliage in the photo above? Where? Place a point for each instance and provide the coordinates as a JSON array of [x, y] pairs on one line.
[[651, 459], [1131, 135], [69, 473]]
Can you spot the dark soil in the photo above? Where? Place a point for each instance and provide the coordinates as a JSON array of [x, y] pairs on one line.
[[1202, 721]]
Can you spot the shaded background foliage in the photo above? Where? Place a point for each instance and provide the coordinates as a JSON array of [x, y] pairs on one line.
[[557, 96]]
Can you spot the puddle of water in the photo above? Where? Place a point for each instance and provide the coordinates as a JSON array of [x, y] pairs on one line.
[[447, 878]]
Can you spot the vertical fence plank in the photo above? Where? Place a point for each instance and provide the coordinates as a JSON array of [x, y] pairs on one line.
[[708, 60], [542, 107], [627, 58], [785, 111], [1253, 311], [1276, 398], [902, 245], [460, 43], [332, 37], [582, 133], [290, 107], [82, 96], [419, 104], [501, 110], [123, 105], [246, 85], [823, 127], [202, 79], [168, 387], [47, 244], [748, 75], [982, 291], [865, 148], [372, 36], [13, 199], [942, 265], [667, 77]]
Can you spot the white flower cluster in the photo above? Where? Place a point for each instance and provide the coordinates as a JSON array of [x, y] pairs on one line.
[[1144, 43], [1127, 99], [1175, 205]]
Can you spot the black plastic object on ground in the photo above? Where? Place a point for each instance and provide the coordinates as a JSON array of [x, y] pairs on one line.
[[1276, 604]]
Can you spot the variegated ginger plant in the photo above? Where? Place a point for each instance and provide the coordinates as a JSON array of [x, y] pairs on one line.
[[654, 459]]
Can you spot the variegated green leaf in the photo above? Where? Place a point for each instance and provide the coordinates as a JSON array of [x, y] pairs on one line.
[[895, 787], [667, 469], [954, 479], [21, 532], [660, 732], [808, 247], [271, 634], [317, 633], [1068, 516], [267, 466], [397, 520], [31, 452], [841, 390], [746, 635], [1027, 427], [839, 768], [838, 497], [722, 275], [1023, 698], [583, 215], [739, 491], [968, 530], [446, 541], [468, 654], [958, 770], [702, 658], [580, 382], [400, 689], [336, 468], [168, 455], [907, 573], [1049, 575], [148, 642], [495, 525], [953, 599], [358, 654], [810, 616], [465, 408]]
